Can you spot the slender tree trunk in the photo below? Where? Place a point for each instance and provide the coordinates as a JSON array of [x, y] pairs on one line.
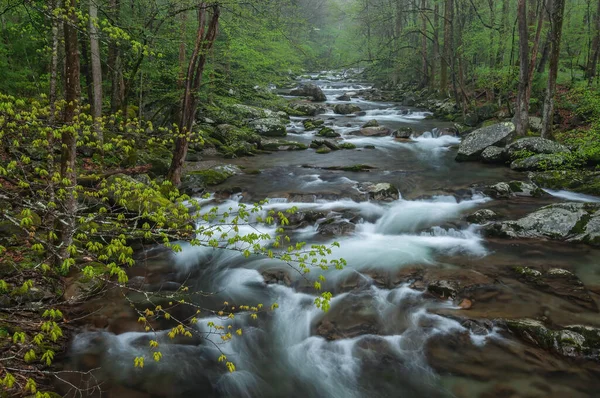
[[424, 69], [114, 62], [535, 49], [447, 46], [96, 71], [492, 55], [54, 65], [558, 10], [502, 34], [595, 49], [522, 108], [85, 68], [69, 140], [205, 38], [436, 44]]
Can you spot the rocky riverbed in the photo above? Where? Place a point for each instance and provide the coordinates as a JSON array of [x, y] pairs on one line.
[[464, 279]]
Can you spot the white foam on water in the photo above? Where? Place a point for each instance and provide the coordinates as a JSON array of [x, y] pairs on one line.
[[573, 196]]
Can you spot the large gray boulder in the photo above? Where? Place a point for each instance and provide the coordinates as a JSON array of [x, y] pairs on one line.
[[540, 162], [475, 143], [306, 109], [270, 127], [379, 131], [575, 222], [493, 154], [535, 145], [309, 90], [382, 192], [346, 109]]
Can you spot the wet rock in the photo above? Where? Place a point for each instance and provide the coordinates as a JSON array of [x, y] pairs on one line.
[[576, 222], [580, 181], [312, 124], [567, 342], [344, 97], [269, 127], [500, 190], [303, 219], [346, 109], [281, 145], [403, 133], [493, 154], [328, 132], [309, 90], [383, 192], [323, 150], [380, 131], [558, 282], [371, 123], [443, 289], [482, 216], [306, 109], [534, 145], [355, 315], [475, 143], [535, 124], [277, 277], [541, 162], [336, 227], [213, 176], [316, 144]]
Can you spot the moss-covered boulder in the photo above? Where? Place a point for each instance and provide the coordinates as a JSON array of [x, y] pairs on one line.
[[323, 149], [371, 123], [282, 145], [581, 181], [534, 146], [346, 109], [329, 144], [271, 127], [305, 109], [216, 175], [476, 142], [543, 162], [312, 124], [328, 132]]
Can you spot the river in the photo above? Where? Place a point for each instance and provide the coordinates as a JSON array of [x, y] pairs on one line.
[[385, 335]]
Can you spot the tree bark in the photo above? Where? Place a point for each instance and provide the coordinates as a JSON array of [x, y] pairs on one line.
[[424, 69], [114, 61], [447, 46], [558, 10], [96, 71], [595, 49], [205, 38], [522, 108], [502, 34], [69, 140], [436, 44], [54, 65]]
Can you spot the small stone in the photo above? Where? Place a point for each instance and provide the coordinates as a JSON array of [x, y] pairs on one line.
[[465, 304]]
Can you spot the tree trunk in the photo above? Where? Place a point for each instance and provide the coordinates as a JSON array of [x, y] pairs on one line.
[[436, 44], [114, 62], [595, 49], [205, 38], [69, 140], [54, 65], [522, 108], [558, 10], [502, 34], [424, 69], [96, 71], [447, 46]]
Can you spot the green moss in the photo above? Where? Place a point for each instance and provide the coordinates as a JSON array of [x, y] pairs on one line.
[[328, 133], [212, 177], [347, 145], [580, 227], [323, 150]]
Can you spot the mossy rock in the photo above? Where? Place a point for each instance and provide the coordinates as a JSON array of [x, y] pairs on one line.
[[159, 157], [328, 132], [581, 181], [323, 149], [347, 145]]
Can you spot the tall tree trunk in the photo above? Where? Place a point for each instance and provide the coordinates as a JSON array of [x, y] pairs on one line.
[[69, 140], [424, 69], [522, 108], [205, 38], [595, 49], [114, 61], [447, 46], [502, 34], [558, 11], [85, 68], [492, 55], [54, 65], [436, 44], [96, 70]]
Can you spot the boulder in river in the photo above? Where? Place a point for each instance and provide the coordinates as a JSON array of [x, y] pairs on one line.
[[403, 133], [380, 131], [336, 227], [574, 222], [346, 109], [309, 90], [383, 191], [319, 143], [581, 181], [572, 341], [475, 143], [344, 97], [312, 124], [534, 145], [269, 127], [506, 190], [558, 282], [493, 154], [542, 162], [328, 132], [371, 123], [305, 109], [482, 216]]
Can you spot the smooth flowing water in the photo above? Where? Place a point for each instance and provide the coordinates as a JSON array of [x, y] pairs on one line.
[[380, 338]]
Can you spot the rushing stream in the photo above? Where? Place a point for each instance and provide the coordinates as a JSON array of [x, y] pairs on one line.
[[384, 336]]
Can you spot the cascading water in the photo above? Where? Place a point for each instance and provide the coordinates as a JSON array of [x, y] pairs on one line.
[[372, 342]]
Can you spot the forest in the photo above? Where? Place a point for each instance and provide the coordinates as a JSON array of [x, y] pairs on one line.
[[302, 198]]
